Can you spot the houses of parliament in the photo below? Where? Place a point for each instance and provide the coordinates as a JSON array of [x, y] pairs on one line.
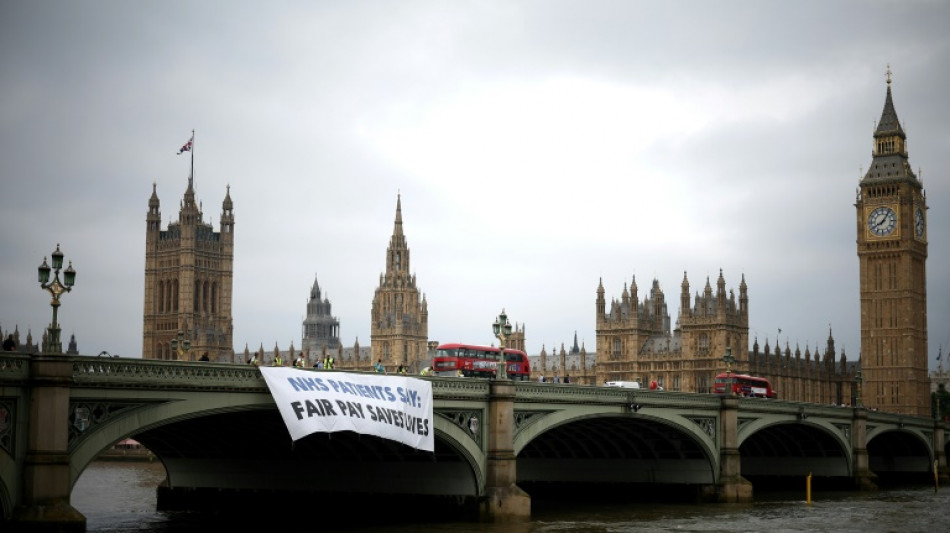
[[188, 287]]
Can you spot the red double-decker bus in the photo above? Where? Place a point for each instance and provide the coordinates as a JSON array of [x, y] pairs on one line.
[[744, 385], [471, 360]]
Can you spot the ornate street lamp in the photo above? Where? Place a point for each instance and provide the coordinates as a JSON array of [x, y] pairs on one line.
[[729, 360], [181, 345], [857, 388], [502, 329], [56, 289]]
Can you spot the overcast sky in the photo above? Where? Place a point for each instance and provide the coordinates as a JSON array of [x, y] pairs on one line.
[[538, 147]]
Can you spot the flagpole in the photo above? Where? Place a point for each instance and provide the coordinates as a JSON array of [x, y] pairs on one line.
[[192, 157]]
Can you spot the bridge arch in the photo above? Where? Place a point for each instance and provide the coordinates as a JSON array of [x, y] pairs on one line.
[[201, 443], [465, 446], [153, 412], [606, 444], [790, 446], [899, 452]]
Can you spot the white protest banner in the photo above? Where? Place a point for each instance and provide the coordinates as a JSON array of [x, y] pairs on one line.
[[392, 407]]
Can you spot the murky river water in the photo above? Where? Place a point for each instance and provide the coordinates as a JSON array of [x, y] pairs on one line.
[[119, 497]]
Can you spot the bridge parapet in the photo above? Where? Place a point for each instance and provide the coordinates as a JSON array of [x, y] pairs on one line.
[[151, 374], [803, 410], [459, 388], [14, 367], [899, 420], [583, 394]]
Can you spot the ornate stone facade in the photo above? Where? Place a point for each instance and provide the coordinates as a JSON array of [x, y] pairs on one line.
[[188, 281], [321, 330], [891, 211], [635, 343], [399, 327]]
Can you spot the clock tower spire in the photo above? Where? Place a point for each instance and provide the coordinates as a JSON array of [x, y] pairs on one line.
[[892, 253]]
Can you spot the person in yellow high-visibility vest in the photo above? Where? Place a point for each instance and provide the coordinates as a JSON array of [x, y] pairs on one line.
[[278, 361], [328, 362]]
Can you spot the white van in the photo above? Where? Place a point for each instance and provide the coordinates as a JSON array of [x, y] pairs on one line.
[[624, 384]]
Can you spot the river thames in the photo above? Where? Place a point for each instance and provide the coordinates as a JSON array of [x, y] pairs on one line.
[[120, 497]]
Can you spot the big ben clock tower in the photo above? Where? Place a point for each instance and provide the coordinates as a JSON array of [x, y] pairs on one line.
[[892, 252]]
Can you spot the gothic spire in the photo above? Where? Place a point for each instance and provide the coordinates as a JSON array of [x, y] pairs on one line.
[[153, 202], [890, 159], [227, 204], [397, 230], [889, 124], [397, 255], [315, 290]]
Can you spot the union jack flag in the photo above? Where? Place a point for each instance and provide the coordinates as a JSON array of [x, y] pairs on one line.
[[187, 146]]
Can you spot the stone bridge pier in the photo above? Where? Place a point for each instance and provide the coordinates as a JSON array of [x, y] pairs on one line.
[[46, 477], [504, 501], [733, 488]]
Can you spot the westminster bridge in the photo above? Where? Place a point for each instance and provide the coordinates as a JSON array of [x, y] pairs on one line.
[[218, 433]]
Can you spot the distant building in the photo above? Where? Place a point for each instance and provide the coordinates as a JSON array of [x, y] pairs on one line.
[[891, 210], [320, 329], [399, 326], [23, 347], [576, 365], [188, 281], [355, 357], [73, 348], [635, 341]]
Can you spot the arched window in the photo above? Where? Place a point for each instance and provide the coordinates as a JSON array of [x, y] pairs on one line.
[[170, 296]]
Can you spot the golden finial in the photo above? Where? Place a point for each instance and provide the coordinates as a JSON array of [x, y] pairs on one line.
[[888, 74]]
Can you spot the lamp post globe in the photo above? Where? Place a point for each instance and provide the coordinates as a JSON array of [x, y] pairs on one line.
[[181, 345], [56, 288], [729, 359], [502, 330]]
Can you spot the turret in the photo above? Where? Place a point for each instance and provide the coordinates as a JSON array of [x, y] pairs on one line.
[[153, 219], [601, 302], [684, 296], [227, 216], [744, 301], [635, 296], [721, 295]]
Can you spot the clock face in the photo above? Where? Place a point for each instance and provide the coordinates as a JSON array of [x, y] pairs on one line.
[[882, 221], [919, 223]]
